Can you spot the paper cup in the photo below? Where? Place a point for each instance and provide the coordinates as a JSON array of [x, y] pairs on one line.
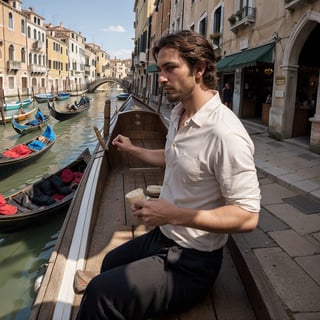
[[135, 195]]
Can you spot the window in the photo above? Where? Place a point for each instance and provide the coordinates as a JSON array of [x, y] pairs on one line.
[[11, 52], [217, 20], [29, 32], [203, 26], [10, 22], [11, 82], [34, 34], [35, 59], [30, 58], [23, 26], [23, 55]]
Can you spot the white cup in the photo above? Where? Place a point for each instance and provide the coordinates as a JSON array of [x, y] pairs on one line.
[[135, 195]]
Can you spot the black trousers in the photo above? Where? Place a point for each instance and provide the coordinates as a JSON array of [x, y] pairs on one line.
[[149, 276]]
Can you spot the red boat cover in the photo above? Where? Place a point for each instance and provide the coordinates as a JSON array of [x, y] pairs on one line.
[[6, 209], [18, 151]]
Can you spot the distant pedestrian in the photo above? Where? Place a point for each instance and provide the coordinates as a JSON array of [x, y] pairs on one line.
[[227, 95]]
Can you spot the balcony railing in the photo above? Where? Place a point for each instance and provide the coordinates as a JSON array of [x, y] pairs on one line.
[[140, 58], [244, 16], [36, 68], [14, 65], [37, 45]]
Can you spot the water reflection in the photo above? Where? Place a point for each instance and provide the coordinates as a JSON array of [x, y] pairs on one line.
[[24, 251]]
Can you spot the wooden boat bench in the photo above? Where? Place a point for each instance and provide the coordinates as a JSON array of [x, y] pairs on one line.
[[226, 300]]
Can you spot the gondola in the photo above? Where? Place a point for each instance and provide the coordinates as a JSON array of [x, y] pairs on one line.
[[26, 152], [32, 205], [37, 123], [17, 104], [69, 112], [18, 116], [123, 96], [44, 97], [62, 96]]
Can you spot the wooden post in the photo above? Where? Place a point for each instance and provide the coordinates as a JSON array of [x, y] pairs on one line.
[[19, 97], [106, 124], [2, 102]]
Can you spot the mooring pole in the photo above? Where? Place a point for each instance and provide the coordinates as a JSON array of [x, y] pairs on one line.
[[106, 124]]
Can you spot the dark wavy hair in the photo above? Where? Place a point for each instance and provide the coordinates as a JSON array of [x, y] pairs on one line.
[[193, 48]]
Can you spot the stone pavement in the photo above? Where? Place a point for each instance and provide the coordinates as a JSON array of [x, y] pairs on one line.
[[287, 240]]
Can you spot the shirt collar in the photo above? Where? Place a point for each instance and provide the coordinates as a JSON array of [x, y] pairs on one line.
[[201, 116]]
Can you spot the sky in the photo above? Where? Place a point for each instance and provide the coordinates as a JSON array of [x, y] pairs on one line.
[[107, 23]]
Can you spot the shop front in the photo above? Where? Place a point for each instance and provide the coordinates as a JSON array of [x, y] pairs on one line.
[[253, 81]]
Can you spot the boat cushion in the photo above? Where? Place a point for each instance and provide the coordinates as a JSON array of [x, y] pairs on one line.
[[6, 209], [36, 145], [18, 151], [39, 198]]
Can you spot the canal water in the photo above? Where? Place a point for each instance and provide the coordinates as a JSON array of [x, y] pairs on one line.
[[23, 252]]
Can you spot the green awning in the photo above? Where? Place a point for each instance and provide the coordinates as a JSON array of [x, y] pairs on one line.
[[152, 68], [246, 58]]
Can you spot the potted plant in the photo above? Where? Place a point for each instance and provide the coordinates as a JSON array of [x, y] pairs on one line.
[[239, 14], [232, 19]]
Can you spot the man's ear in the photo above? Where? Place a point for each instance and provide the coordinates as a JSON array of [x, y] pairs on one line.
[[199, 69]]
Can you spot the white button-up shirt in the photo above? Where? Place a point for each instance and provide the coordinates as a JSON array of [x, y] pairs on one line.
[[209, 163]]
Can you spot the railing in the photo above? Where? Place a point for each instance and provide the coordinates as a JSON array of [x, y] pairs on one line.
[[13, 65], [244, 16], [35, 68]]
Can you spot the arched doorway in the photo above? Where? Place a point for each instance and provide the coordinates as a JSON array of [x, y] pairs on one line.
[[307, 85], [297, 50]]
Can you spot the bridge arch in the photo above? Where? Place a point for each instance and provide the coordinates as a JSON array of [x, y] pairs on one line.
[[122, 82]]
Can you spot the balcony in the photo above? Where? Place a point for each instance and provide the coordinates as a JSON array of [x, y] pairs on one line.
[[291, 5], [37, 45], [140, 59], [243, 17], [36, 68], [14, 65]]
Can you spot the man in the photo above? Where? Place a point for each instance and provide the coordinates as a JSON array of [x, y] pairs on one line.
[[210, 189], [227, 95]]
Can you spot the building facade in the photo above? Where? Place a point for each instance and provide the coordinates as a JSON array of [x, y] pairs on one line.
[[266, 50], [36, 57]]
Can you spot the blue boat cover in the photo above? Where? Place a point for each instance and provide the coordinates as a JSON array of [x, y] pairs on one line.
[[49, 133], [36, 145], [39, 115]]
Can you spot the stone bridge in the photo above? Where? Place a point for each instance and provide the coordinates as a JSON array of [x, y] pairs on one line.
[[122, 82]]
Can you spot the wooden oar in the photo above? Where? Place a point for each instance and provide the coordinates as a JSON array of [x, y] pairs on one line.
[[100, 138]]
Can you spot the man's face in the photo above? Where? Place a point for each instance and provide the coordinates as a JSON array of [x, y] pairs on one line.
[[175, 76]]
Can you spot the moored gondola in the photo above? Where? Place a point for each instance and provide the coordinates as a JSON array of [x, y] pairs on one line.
[[50, 195], [37, 123], [21, 154]]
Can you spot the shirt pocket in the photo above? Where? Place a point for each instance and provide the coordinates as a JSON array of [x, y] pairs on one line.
[[189, 168]]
